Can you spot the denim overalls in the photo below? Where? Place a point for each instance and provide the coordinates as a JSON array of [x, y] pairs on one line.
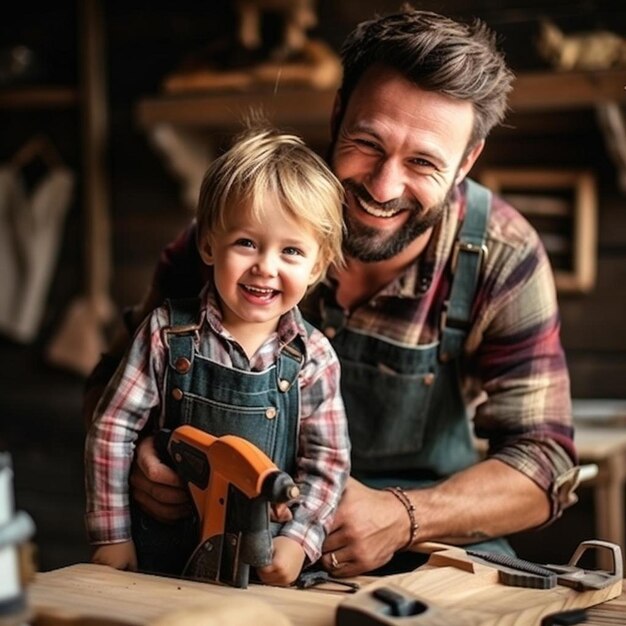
[[407, 420], [262, 407]]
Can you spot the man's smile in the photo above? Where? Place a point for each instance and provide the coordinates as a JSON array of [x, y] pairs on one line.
[[373, 208], [381, 210]]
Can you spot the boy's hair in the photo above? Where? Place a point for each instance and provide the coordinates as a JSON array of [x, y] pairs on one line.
[[437, 54], [264, 162]]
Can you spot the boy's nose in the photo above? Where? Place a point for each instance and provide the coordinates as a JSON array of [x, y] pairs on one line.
[[266, 265]]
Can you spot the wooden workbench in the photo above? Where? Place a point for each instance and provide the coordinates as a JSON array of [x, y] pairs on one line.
[[83, 595], [601, 440]]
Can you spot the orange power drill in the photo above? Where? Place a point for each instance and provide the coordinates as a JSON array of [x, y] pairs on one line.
[[232, 484]]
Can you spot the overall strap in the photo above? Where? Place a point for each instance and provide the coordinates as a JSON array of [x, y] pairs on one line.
[[288, 366], [289, 369], [468, 255], [179, 338]]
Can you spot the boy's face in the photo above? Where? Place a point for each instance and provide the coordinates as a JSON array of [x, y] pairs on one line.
[[261, 268]]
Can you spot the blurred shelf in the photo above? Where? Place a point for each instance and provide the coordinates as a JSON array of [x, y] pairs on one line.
[[567, 90], [295, 106], [40, 97], [309, 107]]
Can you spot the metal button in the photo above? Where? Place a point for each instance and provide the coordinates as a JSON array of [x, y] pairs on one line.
[[182, 365], [270, 413], [330, 332], [283, 384], [429, 379], [444, 357], [177, 394]]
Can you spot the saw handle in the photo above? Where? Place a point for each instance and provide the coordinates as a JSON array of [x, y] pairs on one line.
[[279, 487]]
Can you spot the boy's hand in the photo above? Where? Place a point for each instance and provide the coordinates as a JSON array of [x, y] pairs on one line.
[[156, 487], [286, 563], [117, 555], [280, 513]]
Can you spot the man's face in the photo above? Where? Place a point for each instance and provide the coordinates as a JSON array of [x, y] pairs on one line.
[[399, 152]]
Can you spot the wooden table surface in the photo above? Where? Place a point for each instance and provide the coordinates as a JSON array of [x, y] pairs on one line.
[[84, 595], [612, 612]]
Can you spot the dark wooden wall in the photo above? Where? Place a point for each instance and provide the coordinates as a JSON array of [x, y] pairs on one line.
[[146, 40]]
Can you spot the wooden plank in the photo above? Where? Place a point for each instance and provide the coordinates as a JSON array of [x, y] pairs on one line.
[[305, 106], [95, 132], [292, 106], [92, 591], [613, 613], [39, 97], [567, 90]]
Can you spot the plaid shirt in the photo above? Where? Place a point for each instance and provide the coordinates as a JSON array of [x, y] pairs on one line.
[[513, 368], [513, 354], [132, 404]]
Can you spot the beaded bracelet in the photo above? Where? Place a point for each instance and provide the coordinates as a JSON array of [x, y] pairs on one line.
[[400, 493]]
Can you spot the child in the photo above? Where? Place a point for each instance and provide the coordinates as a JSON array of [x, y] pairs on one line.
[[241, 361]]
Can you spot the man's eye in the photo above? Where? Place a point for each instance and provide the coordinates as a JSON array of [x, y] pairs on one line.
[[417, 162], [367, 144]]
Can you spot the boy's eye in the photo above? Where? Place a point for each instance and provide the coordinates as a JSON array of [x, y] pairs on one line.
[[293, 251], [245, 243]]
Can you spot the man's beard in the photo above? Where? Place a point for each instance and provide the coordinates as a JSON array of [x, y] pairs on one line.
[[368, 244]]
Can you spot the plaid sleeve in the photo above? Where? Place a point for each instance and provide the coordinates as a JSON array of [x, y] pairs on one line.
[[323, 462], [120, 416], [521, 364]]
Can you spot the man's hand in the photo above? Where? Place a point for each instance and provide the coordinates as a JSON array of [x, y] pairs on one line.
[[156, 487], [370, 526]]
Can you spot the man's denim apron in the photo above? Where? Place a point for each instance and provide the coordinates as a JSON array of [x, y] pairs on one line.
[[263, 407], [407, 420]]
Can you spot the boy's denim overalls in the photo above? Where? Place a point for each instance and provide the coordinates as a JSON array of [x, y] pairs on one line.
[[262, 407]]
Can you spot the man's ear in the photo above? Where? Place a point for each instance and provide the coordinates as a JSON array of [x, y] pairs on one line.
[[205, 250], [468, 161]]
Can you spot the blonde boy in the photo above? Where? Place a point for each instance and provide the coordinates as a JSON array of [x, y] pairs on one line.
[[238, 360]]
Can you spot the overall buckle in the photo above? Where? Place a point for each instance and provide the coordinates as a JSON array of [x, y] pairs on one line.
[[183, 329], [465, 246]]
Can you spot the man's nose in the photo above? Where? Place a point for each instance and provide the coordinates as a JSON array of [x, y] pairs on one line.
[[386, 181]]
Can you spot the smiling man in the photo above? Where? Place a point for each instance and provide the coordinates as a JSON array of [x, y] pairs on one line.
[[444, 312], [399, 153]]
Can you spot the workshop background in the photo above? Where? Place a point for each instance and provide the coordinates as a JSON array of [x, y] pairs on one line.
[[105, 160]]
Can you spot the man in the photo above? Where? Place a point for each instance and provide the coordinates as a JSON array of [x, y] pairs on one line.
[[446, 306]]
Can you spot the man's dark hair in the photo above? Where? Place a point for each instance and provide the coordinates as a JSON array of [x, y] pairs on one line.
[[437, 54]]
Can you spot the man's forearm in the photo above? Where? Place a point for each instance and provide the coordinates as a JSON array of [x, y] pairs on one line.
[[487, 500]]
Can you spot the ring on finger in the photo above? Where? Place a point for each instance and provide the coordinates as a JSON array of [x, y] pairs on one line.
[[334, 563]]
